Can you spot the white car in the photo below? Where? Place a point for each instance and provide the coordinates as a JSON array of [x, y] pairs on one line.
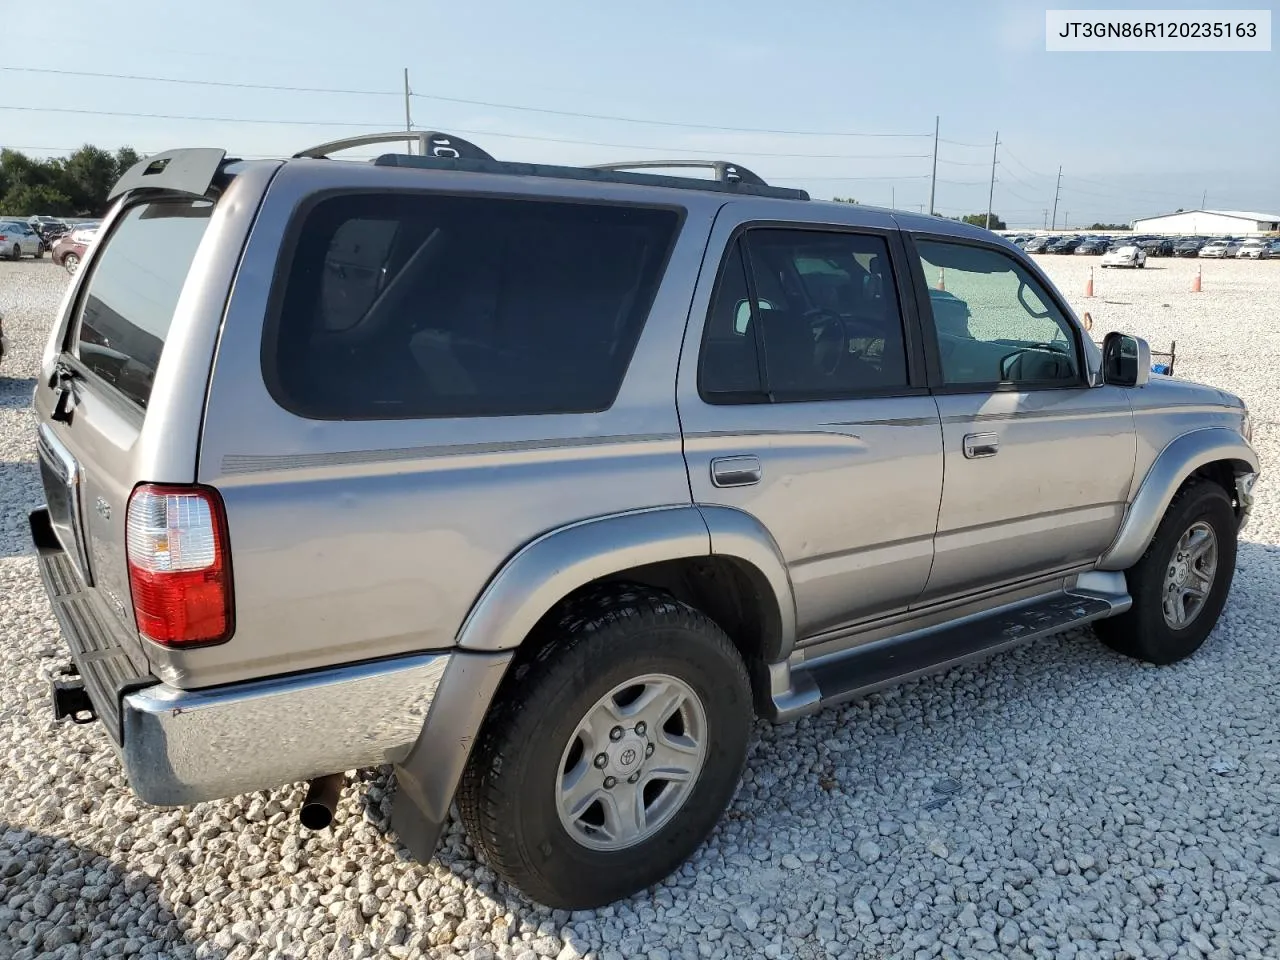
[[1256, 249], [1219, 248], [1127, 255]]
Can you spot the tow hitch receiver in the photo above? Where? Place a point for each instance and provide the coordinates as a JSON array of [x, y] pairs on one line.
[[70, 700]]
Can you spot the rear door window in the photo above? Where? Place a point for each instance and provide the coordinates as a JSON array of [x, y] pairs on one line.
[[416, 306], [127, 305]]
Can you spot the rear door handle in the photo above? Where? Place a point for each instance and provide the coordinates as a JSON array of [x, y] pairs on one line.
[[978, 445], [735, 471]]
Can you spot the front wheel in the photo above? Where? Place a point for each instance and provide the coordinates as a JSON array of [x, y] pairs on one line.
[[611, 753], [1180, 585]]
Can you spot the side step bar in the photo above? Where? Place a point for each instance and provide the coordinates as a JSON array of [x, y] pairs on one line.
[[860, 671]]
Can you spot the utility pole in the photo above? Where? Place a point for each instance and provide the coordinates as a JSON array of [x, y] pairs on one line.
[[921, 206], [1056, 190], [1046, 218], [933, 181], [992, 190], [1203, 197], [408, 119], [893, 198], [1066, 220]]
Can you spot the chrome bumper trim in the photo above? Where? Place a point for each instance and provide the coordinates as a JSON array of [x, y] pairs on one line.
[[187, 746]]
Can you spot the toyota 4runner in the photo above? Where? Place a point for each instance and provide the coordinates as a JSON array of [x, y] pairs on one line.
[[540, 483]]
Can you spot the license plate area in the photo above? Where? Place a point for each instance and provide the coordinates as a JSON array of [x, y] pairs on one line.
[[61, 477]]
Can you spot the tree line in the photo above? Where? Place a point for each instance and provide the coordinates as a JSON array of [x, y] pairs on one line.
[[73, 186]]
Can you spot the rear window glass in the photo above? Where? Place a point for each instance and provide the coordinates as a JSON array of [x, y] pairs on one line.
[[399, 306], [128, 304]]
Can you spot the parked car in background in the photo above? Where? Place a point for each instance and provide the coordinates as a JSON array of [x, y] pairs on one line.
[[1254, 249], [1038, 244], [68, 252], [18, 240], [1064, 245], [1126, 255], [1156, 246], [1093, 246], [1219, 248], [1189, 246], [49, 229]]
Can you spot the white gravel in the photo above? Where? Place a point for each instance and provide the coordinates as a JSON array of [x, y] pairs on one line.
[[1058, 801]]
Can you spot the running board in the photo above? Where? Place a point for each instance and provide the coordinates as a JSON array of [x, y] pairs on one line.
[[863, 670]]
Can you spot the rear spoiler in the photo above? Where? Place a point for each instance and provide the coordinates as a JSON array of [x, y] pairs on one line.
[[189, 171]]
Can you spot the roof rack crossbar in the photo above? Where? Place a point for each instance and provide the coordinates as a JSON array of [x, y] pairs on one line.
[[431, 143], [725, 170]]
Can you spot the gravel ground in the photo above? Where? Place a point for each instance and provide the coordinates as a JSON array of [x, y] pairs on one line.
[[1057, 801]]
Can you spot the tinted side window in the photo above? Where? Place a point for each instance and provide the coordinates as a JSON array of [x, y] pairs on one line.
[[995, 323], [828, 308], [729, 365], [400, 306], [128, 303]]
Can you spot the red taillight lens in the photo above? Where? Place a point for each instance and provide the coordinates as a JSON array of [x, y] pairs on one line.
[[176, 545]]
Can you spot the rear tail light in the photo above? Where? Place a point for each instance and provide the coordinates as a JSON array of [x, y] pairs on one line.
[[179, 569]]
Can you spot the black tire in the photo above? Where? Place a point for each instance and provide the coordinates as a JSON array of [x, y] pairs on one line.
[[1142, 632], [16, 253], [71, 263], [594, 643]]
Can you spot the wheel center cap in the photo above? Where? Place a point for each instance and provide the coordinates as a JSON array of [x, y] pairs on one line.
[[626, 755], [1180, 574]]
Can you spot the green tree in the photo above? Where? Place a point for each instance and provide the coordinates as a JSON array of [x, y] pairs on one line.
[[75, 186], [980, 220]]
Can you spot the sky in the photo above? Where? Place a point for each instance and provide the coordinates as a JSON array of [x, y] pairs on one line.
[[801, 84]]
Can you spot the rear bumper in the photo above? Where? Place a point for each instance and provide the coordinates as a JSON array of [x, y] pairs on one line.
[[187, 746], [181, 747]]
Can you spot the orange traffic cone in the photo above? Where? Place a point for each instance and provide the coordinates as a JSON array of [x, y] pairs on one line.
[[942, 278], [1195, 284], [1088, 287]]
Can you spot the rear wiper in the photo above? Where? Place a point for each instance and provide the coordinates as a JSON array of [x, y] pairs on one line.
[[63, 383]]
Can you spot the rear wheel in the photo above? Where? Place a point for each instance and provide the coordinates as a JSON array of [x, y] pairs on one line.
[[71, 263], [612, 752], [16, 253], [1181, 583]]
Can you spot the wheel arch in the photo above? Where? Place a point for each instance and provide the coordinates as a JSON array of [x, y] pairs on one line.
[[718, 559], [1215, 453]]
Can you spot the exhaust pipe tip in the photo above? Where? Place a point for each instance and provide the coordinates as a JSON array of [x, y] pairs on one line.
[[321, 801]]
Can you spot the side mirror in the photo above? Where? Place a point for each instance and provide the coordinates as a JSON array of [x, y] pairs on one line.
[[1126, 360]]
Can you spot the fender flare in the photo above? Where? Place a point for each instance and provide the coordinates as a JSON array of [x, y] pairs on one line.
[[1177, 461], [549, 568]]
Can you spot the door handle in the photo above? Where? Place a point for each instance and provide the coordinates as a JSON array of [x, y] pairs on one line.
[[978, 445], [735, 471]]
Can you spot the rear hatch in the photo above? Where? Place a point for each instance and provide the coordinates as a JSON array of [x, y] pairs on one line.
[[125, 373], [121, 318]]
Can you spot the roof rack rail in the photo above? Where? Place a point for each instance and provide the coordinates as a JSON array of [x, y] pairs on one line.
[[726, 172], [431, 143]]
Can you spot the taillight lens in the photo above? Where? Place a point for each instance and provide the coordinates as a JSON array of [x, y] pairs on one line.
[[176, 546]]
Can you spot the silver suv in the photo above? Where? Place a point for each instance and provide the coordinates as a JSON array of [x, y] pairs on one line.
[[541, 483]]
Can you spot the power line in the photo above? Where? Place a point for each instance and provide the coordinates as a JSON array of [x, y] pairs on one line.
[[200, 83], [172, 116], [463, 100], [961, 143]]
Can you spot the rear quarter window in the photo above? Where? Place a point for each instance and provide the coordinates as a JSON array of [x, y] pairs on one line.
[[127, 305], [416, 306]]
